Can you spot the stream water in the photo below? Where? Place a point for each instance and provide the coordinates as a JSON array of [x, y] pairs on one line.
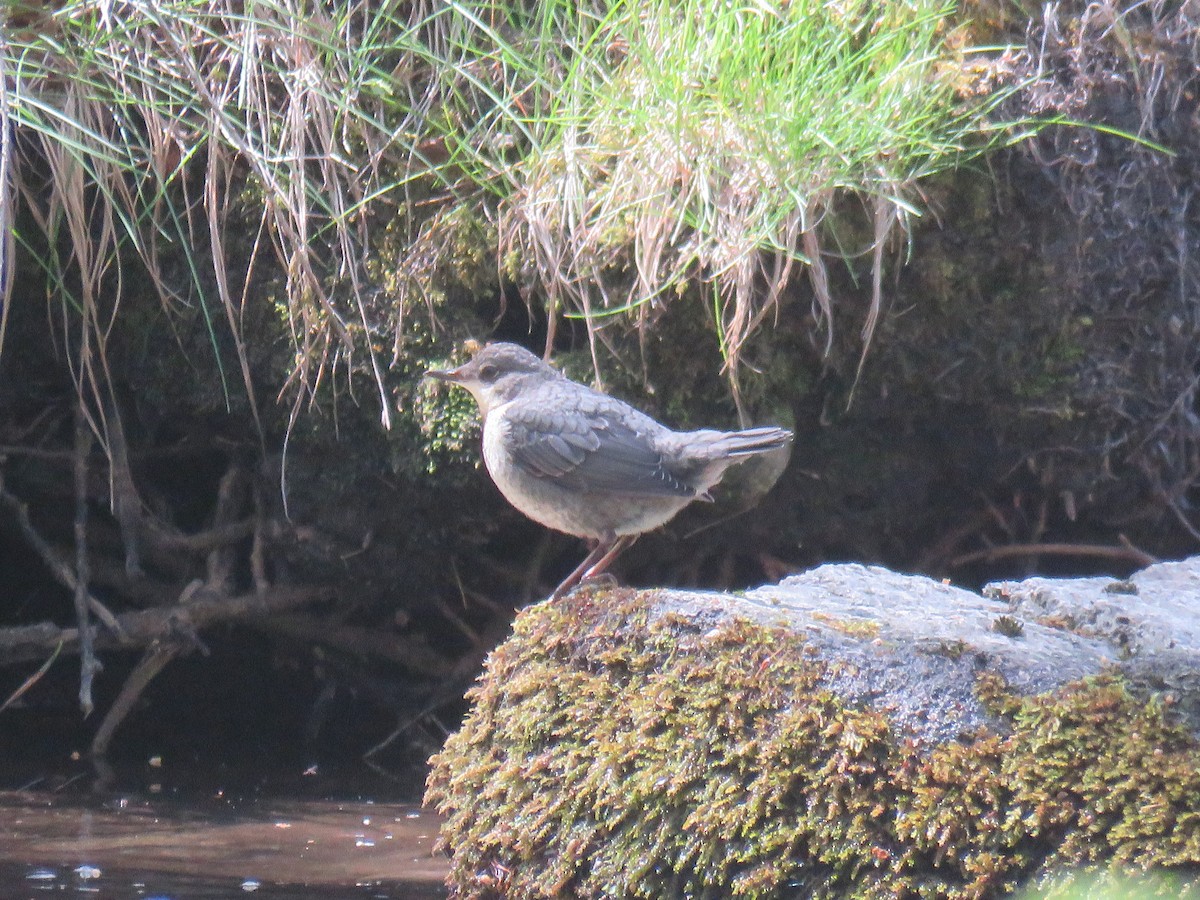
[[122, 847]]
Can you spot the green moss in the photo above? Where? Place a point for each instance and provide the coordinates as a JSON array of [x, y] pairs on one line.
[[613, 755], [439, 285], [1008, 626], [862, 628], [949, 649], [445, 258], [1120, 587]]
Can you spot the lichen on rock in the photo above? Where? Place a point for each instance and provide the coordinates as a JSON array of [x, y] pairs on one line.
[[659, 744]]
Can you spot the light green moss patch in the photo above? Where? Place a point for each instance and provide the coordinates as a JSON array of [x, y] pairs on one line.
[[610, 755], [862, 628]]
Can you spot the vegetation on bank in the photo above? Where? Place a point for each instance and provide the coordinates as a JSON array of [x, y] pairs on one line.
[[328, 197], [611, 754], [297, 196], [627, 150]]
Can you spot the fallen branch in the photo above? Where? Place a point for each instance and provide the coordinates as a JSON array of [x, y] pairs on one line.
[[88, 664], [154, 661], [142, 627], [62, 572], [1125, 552]]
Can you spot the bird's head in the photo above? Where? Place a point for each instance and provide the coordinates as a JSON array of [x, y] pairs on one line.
[[497, 373]]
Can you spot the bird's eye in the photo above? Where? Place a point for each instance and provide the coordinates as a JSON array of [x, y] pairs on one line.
[[488, 373]]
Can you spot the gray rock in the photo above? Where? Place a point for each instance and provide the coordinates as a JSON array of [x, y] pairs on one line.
[[1150, 623], [913, 647]]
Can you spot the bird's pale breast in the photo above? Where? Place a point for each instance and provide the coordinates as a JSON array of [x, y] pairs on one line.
[[588, 514]]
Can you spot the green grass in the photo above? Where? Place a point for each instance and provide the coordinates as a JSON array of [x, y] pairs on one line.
[[139, 128], [628, 149], [1109, 886], [710, 141]]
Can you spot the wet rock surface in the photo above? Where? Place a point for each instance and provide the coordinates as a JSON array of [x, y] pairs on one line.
[[912, 647], [1149, 624], [848, 732]]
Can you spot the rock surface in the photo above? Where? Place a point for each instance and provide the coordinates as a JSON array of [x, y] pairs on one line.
[[1150, 624], [849, 732], [911, 646]]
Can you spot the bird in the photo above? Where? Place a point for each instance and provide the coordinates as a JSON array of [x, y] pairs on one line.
[[582, 462]]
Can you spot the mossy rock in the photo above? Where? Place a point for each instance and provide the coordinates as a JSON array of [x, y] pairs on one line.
[[669, 744]]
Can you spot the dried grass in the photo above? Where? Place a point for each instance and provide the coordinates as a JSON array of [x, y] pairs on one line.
[[633, 149], [710, 141], [155, 117]]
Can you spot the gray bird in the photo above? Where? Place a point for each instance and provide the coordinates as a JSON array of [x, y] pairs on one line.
[[585, 463]]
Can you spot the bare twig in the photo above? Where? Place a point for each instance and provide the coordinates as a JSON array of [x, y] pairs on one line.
[[458, 622], [88, 664], [62, 572], [459, 677], [31, 680], [1126, 552], [445, 695], [153, 661], [1183, 519]]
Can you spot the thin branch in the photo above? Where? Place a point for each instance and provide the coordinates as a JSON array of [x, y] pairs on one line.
[[1126, 552], [31, 680], [152, 662], [1183, 519], [62, 572], [88, 664], [142, 627], [459, 677]]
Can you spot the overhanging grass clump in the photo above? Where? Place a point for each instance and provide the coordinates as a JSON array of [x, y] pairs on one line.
[[608, 755], [630, 148], [210, 145], [709, 141]]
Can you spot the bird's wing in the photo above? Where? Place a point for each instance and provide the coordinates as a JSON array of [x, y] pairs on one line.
[[592, 450]]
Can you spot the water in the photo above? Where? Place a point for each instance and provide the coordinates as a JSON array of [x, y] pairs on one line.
[[111, 849]]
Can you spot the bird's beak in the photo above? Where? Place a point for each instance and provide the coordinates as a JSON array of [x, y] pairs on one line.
[[454, 376]]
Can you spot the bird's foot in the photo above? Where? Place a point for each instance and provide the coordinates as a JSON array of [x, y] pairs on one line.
[[592, 569], [600, 579], [565, 588]]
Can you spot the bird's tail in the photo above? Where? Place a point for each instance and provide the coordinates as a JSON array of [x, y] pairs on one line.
[[751, 441]]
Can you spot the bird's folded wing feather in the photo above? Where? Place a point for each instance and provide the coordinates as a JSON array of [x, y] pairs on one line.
[[592, 452]]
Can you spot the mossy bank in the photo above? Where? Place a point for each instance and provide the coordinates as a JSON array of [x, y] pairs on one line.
[[658, 744]]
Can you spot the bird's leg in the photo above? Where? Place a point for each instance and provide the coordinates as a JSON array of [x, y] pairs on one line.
[[619, 546], [576, 576]]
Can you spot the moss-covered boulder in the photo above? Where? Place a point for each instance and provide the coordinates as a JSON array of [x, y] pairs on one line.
[[845, 733]]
